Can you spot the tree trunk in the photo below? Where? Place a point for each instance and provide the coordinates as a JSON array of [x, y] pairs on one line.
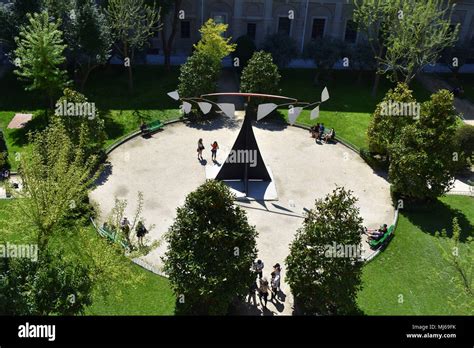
[[376, 85], [126, 54], [377, 76], [168, 43], [130, 79], [86, 75]]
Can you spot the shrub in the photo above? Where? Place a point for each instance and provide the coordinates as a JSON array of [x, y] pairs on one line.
[[422, 166], [198, 75], [385, 128], [211, 247], [282, 48], [464, 143], [323, 279], [260, 75]]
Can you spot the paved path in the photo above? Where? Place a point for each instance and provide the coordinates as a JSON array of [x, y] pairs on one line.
[[463, 106], [165, 169], [228, 82]]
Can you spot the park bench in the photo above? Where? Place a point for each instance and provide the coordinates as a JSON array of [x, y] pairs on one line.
[[375, 244], [111, 236], [152, 127]]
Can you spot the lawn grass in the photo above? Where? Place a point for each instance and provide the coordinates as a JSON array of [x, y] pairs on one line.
[[412, 265], [350, 106], [108, 88], [153, 296]]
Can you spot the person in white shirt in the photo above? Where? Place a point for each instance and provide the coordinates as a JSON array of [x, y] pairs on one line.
[[275, 283]]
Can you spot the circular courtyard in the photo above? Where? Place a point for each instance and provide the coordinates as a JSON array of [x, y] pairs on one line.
[[165, 169]]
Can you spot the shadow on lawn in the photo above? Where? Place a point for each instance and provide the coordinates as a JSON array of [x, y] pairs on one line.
[[19, 137], [434, 217]]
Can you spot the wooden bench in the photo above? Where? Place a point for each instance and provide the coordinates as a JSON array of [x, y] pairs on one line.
[[152, 127], [375, 244]]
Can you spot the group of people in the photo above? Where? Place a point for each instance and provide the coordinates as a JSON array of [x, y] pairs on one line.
[[265, 287], [376, 234], [201, 148], [317, 132], [140, 230]]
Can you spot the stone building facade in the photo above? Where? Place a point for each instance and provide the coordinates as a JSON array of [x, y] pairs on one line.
[[310, 19]]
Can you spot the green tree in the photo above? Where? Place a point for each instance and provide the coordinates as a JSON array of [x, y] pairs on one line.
[[395, 27], [362, 59], [460, 260], [132, 23], [51, 285], [90, 37], [210, 253], [198, 75], [213, 43], [87, 131], [13, 16], [325, 52], [323, 267], [283, 48], [386, 124], [425, 25], [422, 158], [56, 177], [171, 8], [260, 75], [464, 143], [39, 55]]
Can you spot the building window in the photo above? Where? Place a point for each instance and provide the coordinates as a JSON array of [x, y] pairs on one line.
[[252, 30], [319, 25], [351, 32], [220, 19], [284, 26], [185, 29]]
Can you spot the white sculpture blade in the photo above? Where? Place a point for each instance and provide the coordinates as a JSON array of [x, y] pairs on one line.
[[205, 107], [293, 114], [315, 113], [174, 95], [228, 109], [264, 110], [324, 94], [187, 107]]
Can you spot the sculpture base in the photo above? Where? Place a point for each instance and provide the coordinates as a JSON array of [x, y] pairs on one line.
[[258, 190]]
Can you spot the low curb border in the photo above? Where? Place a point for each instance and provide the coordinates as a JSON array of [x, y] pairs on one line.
[[353, 148]]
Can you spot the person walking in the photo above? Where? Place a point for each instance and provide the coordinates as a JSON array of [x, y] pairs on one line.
[[275, 284], [214, 148], [200, 149], [263, 291], [277, 270], [141, 231], [252, 293], [258, 267], [125, 227]]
